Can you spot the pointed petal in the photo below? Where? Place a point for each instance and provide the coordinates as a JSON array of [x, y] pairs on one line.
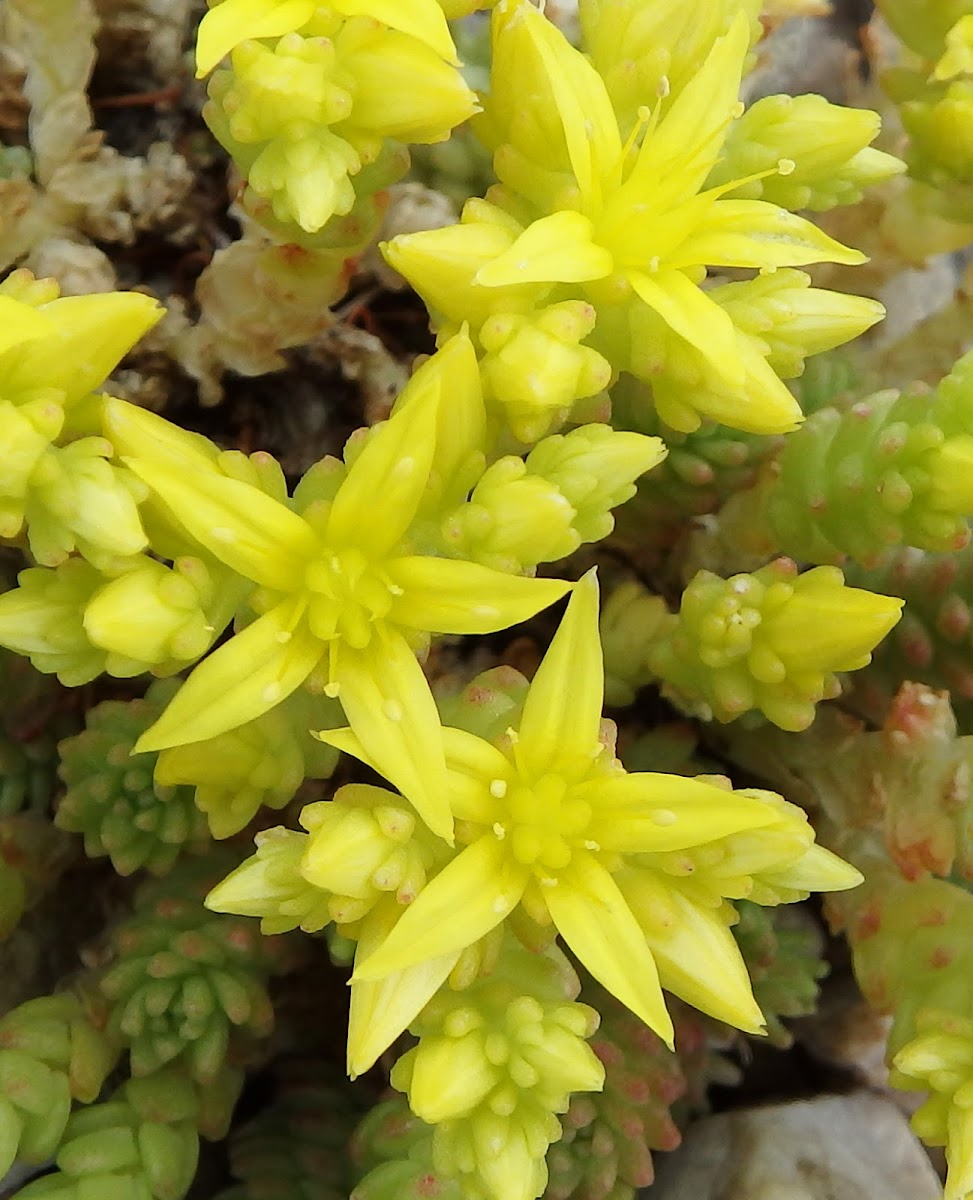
[[468, 898], [92, 333], [680, 153], [383, 488], [421, 19], [243, 527], [690, 313], [699, 960], [593, 918], [579, 94], [446, 595], [388, 704], [817, 870], [561, 720], [383, 1009], [242, 680], [234, 21], [137, 433], [645, 812], [472, 767], [461, 422], [21, 322], [756, 233], [347, 741], [554, 249]]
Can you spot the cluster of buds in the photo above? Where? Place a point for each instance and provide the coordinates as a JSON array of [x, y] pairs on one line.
[[313, 93], [763, 641]]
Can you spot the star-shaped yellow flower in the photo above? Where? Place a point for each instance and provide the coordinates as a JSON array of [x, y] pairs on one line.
[[551, 821], [627, 225], [341, 594]]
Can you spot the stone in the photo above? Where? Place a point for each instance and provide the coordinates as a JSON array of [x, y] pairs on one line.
[[854, 1147]]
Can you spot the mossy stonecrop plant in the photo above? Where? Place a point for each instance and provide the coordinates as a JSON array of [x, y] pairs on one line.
[[627, 174]]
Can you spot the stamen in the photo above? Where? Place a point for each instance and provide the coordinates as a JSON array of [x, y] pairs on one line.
[[500, 831], [590, 845], [786, 166], [645, 122], [513, 735], [498, 788], [548, 881]]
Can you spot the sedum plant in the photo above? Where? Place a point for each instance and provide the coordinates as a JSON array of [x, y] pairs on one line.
[[358, 664]]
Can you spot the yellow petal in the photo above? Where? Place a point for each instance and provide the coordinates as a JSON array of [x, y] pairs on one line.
[[380, 495], [20, 322], [644, 812], [756, 233], [576, 92], [242, 680], [562, 713], [234, 21], [443, 595], [243, 527], [472, 765], [421, 19], [468, 898], [554, 249], [389, 706], [382, 1009], [593, 918], [682, 150], [138, 433], [690, 313], [92, 333], [699, 960], [461, 420], [817, 870]]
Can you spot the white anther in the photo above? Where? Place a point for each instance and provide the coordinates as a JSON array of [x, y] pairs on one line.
[[498, 788], [500, 831]]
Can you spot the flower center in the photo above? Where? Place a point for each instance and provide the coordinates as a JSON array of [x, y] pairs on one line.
[[347, 595], [545, 823]]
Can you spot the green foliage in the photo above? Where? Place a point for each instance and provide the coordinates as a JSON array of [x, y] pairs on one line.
[[52, 1053], [184, 986], [112, 797], [783, 953]]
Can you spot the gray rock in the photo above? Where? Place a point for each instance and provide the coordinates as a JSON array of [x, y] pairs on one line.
[[856, 1147]]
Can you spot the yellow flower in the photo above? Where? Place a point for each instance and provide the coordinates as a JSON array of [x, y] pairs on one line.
[[341, 594], [628, 226], [550, 821]]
